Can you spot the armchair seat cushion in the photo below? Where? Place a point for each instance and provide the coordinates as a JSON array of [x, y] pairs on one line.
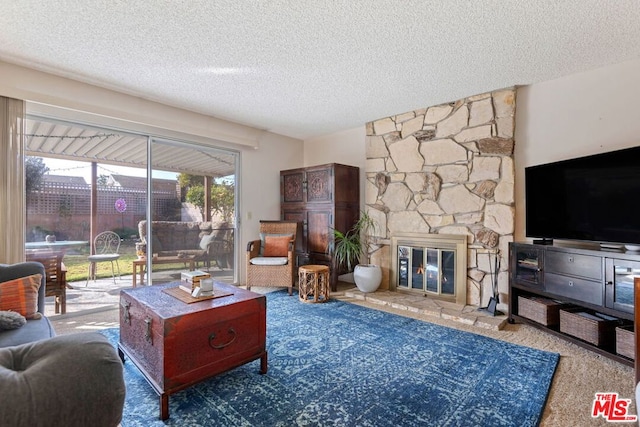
[[270, 260]]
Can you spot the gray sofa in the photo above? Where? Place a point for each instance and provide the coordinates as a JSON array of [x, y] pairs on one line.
[[47, 380], [35, 329]]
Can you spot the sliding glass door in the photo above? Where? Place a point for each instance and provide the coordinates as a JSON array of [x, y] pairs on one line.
[[198, 233], [82, 180]]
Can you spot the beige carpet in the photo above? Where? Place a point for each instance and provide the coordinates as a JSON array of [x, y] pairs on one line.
[[579, 376]]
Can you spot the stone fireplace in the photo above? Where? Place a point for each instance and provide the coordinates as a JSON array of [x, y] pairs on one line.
[[446, 170]]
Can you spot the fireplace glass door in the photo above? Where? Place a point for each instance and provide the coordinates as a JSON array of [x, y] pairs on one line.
[[429, 270]]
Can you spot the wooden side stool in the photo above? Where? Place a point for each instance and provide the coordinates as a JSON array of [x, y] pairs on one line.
[[313, 284]]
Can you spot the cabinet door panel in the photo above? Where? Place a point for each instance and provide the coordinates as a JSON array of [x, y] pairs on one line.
[[292, 187], [319, 185], [347, 187], [527, 266], [619, 291], [318, 229]]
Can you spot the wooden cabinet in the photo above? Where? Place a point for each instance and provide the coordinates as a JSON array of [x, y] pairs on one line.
[[320, 198], [590, 280]]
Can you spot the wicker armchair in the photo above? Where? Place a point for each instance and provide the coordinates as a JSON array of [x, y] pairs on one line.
[[271, 260]]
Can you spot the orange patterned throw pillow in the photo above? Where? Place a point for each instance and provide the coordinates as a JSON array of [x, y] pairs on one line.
[[276, 245], [21, 295]]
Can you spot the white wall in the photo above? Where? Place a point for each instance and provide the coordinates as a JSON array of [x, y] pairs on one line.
[[260, 192], [346, 147], [577, 115]]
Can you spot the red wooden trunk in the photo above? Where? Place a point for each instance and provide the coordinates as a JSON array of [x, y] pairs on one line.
[[175, 344]]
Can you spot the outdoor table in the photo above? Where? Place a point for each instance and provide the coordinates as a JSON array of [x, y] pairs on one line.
[[142, 262], [57, 245]]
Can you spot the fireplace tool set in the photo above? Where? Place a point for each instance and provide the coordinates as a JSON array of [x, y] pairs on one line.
[[494, 269]]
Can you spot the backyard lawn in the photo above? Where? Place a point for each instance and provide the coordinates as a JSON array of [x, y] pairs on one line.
[[78, 266]]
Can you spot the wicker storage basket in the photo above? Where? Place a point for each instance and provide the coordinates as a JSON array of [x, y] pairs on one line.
[[540, 310], [584, 324], [625, 338]]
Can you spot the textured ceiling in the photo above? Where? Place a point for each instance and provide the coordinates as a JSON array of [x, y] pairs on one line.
[[306, 68]]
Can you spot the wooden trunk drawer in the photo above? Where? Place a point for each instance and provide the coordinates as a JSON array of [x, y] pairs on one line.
[[586, 266], [588, 291]]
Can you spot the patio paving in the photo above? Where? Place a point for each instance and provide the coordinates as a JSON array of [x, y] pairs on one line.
[[104, 293]]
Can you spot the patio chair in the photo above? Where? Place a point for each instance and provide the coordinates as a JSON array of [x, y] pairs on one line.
[[106, 246], [271, 260], [55, 276]]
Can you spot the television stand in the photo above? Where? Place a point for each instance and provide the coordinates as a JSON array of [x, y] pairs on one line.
[[584, 296], [543, 241]]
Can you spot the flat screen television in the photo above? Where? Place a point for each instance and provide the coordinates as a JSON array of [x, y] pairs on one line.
[[594, 198]]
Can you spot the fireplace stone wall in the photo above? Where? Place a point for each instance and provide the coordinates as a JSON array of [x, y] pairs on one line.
[[447, 169]]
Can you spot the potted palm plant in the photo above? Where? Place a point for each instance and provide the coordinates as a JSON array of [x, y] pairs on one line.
[[353, 247]]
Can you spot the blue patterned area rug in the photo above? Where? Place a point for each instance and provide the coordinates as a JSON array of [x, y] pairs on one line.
[[340, 364]]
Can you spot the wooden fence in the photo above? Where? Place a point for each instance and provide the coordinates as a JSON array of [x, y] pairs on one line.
[[65, 210]]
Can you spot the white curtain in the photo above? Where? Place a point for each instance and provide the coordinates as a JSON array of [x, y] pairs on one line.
[[12, 190]]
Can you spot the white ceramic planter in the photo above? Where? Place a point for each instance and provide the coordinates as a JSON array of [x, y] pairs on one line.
[[367, 277]]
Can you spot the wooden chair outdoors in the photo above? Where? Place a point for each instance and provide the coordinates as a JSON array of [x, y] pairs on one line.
[[271, 259], [106, 246], [56, 277]]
